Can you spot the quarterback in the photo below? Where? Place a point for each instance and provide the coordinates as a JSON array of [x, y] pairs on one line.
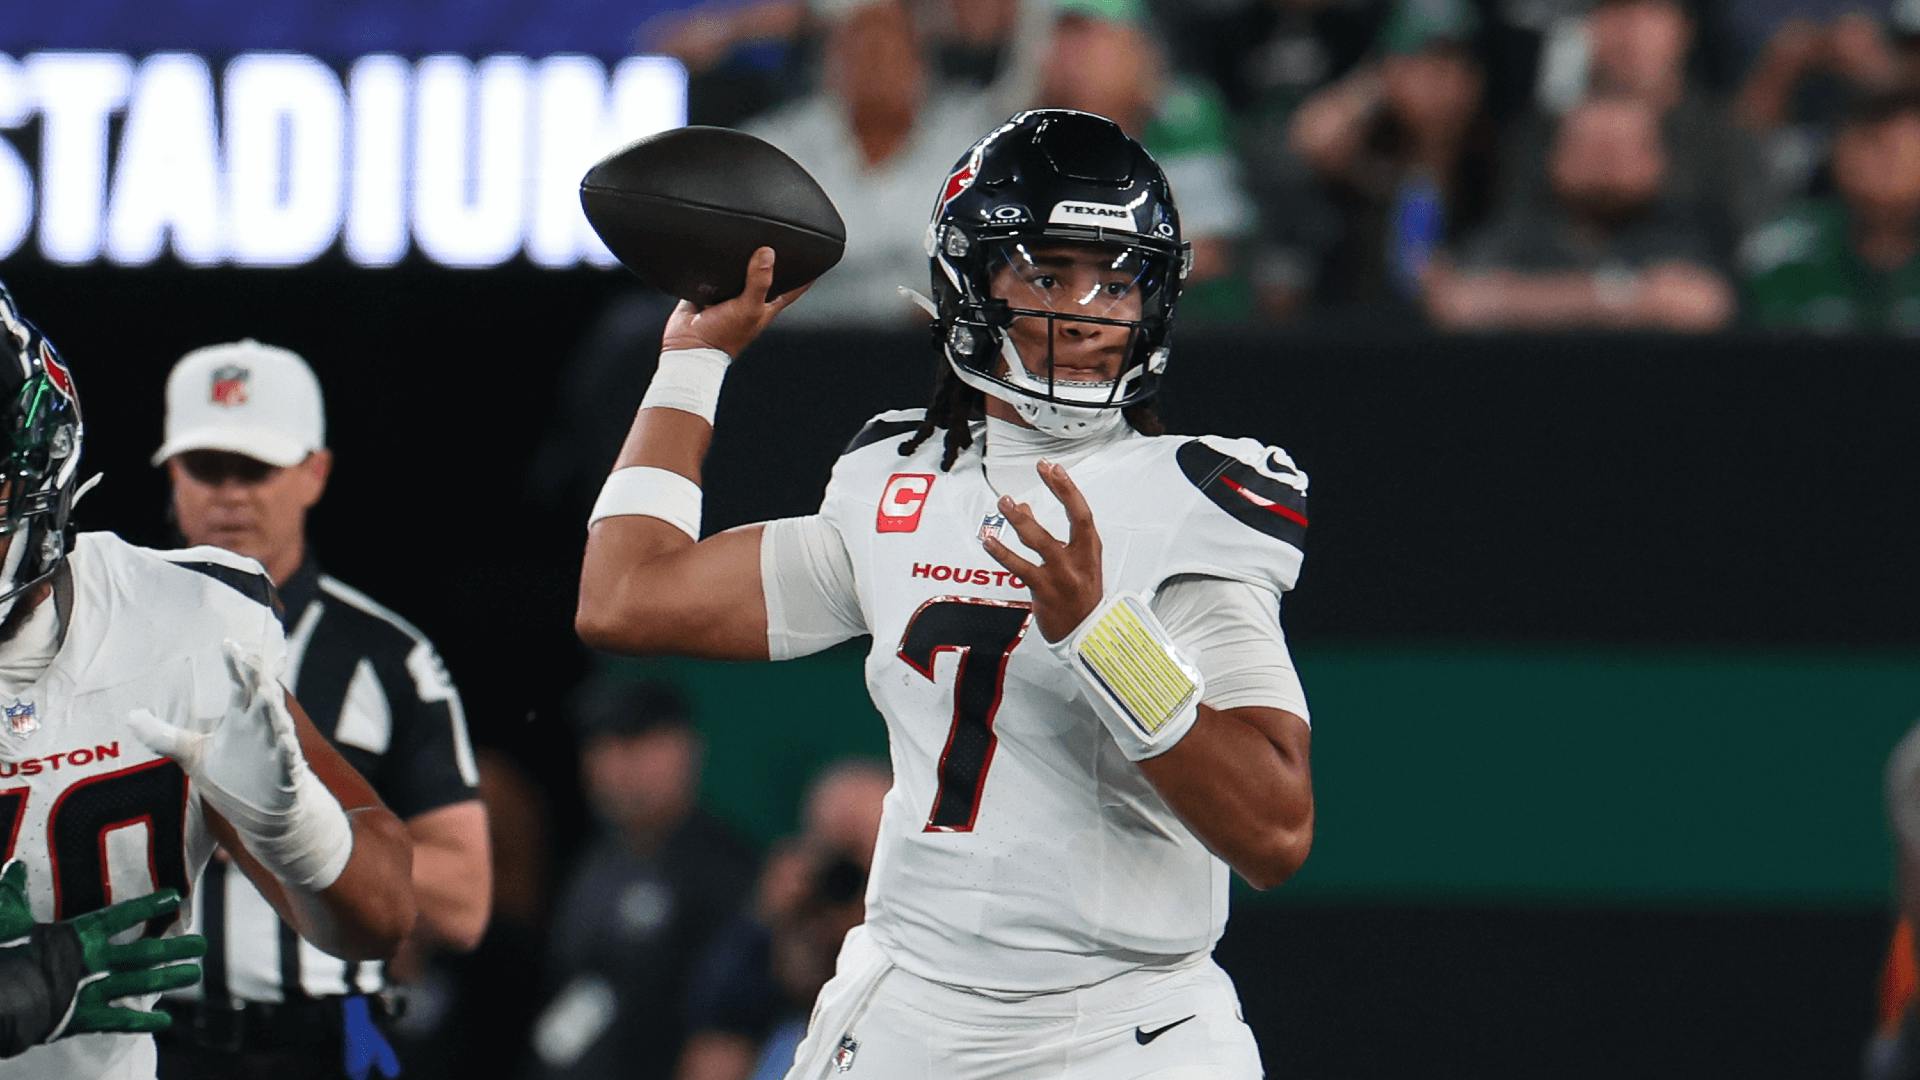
[[144, 725], [1092, 714]]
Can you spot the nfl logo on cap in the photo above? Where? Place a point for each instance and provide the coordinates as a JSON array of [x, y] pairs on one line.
[[229, 386]]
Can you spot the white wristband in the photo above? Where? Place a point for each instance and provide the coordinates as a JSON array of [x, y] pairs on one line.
[[644, 491], [688, 380], [1141, 687]]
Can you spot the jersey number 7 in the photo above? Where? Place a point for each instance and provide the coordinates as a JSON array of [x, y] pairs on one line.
[[153, 794], [984, 633]]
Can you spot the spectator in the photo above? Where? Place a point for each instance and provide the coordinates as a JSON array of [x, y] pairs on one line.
[[246, 457], [1271, 56], [1850, 263], [750, 1000], [1404, 149], [1802, 77], [1602, 254], [1102, 57], [647, 895], [1642, 49], [877, 138]]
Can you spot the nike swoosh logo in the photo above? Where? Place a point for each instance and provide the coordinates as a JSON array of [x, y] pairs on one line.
[[1143, 1036]]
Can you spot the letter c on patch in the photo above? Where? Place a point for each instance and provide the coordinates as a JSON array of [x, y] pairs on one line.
[[901, 502]]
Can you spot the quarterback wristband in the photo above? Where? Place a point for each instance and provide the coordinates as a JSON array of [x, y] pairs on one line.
[[1142, 688], [644, 491], [688, 380]]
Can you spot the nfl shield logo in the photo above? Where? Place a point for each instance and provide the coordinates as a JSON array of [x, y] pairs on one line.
[[991, 526], [843, 1057], [20, 718], [229, 386]]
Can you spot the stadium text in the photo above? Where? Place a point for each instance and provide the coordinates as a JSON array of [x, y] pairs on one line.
[[277, 159]]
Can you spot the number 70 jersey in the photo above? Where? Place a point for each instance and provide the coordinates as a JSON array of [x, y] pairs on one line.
[[1019, 850], [94, 814]]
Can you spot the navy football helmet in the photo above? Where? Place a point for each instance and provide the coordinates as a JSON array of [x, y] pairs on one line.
[[1049, 187]]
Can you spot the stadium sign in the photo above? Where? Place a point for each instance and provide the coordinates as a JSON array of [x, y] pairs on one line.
[[278, 159]]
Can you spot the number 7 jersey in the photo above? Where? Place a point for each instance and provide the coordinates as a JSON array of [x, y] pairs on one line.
[[1020, 852], [94, 814]]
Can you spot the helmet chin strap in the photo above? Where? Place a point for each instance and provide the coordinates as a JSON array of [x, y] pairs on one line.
[[1062, 421]]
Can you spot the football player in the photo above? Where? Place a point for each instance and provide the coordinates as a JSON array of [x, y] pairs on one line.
[[1076, 639], [144, 723]]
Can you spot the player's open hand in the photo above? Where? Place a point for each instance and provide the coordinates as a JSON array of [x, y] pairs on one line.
[[730, 325], [1068, 581]]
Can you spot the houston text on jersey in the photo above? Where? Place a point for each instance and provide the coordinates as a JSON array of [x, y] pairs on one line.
[[54, 762], [969, 575]]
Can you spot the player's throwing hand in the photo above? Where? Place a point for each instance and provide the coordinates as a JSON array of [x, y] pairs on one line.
[[730, 325], [1068, 582]]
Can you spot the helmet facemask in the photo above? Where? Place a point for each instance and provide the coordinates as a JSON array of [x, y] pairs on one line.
[[1066, 329]]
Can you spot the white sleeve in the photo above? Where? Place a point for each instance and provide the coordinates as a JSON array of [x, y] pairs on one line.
[[808, 580], [1231, 631]]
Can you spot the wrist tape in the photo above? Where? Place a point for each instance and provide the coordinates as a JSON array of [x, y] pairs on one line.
[[644, 491], [308, 847], [688, 380], [1142, 688]]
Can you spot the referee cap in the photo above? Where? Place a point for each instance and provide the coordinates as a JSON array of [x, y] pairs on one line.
[[245, 398]]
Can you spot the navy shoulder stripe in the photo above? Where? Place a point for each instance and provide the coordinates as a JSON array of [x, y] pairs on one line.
[[255, 587], [879, 429], [1251, 496]]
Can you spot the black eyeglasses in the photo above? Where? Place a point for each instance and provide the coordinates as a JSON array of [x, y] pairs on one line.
[[216, 467]]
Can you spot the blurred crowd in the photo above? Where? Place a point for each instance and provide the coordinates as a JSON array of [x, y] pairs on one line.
[[661, 943], [1500, 164]]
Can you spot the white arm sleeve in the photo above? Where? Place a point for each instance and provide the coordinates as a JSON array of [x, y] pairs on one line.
[[1231, 631], [807, 577]]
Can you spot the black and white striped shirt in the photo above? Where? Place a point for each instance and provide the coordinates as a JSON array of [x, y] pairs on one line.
[[376, 688]]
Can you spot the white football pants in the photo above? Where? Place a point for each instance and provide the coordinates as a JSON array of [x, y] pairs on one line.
[[874, 1021]]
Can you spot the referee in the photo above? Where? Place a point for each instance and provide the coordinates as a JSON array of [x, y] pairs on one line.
[[245, 451]]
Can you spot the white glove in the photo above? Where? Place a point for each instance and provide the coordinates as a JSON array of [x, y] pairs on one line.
[[248, 766]]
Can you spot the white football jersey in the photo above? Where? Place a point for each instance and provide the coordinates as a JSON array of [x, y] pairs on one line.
[[1019, 850], [95, 815]]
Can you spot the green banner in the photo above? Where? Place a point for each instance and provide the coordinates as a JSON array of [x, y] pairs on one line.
[[1485, 774]]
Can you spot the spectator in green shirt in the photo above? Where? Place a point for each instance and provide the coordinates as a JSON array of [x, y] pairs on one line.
[[1849, 264]]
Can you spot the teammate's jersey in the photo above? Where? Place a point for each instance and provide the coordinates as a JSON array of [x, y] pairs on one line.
[[1020, 851], [95, 815]]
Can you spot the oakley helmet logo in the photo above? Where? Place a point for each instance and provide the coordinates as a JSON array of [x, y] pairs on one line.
[[1103, 215]]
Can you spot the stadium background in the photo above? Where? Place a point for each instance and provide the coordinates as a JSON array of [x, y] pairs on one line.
[[1608, 635]]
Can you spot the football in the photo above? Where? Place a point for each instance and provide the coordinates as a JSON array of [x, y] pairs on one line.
[[684, 210]]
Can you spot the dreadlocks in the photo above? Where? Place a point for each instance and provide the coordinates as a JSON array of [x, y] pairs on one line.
[[955, 405]]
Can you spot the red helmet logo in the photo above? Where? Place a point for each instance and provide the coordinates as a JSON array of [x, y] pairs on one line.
[[57, 373]]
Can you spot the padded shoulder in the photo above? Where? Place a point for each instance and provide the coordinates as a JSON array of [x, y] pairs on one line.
[[1257, 485], [236, 572], [887, 425]]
